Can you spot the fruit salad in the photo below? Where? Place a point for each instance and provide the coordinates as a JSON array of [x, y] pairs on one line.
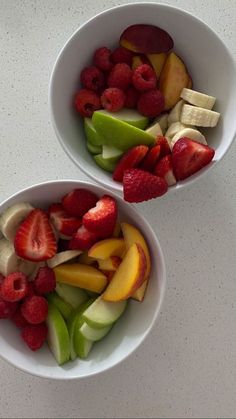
[[68, 271], [142, 118]]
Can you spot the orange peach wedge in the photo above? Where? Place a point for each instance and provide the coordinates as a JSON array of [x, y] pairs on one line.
[[110, 264], [157, 61], [129, 275], [107, 248]]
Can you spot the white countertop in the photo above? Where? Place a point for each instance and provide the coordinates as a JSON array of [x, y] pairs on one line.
[[187, 365]]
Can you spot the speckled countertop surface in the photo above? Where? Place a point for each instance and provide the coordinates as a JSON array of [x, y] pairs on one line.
[[187, 366]]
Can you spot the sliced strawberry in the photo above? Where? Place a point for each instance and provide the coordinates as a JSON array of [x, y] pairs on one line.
[[63, 223], [130, 159], [83, 239], [190, 156], [34, 239], [101, 220], [151, 159], [141, 186], [163, 143], [164, 168], [77, 202]]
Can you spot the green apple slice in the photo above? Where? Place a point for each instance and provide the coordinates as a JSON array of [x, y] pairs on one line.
[[103, 313], [104, 164], [92, 334], [119, 134], [82, 345], [64, 307], [91, 134], [94, 149], [58, 336], [130, 116], [111, 153], [73, 295]]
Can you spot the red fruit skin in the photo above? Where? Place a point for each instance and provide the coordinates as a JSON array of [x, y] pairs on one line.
[[131, 97], [141, 186], [1, 281], [35, 335], [120, 76], [102, 59], [92, 78], [164, 168], [131, 158], [122, 55], [45, 281], [77, 202], [189, 157], [35, 309], [113, 99], [151, 103], [86, 102], [7, 309], [14, 287], [101, 219], [83, 239], [30, 289], [144, 78], [163, 143], [18, 319], [63, 223], [151, 158]]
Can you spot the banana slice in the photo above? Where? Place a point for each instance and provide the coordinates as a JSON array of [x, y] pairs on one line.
[[174, 128], [10, 262], [154, 130], [193, 134], [63, 257], [12, 217], [197, 98], [200, 117], [162, 121], [174, 115]]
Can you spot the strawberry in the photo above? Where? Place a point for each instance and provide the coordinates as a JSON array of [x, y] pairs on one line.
[[83, 239], [190, 156], [130, 159], [77, 202], [34, 239], [164, 168], [63, 222], [163, 142], [101, 220], [151, 158], [141, 186]]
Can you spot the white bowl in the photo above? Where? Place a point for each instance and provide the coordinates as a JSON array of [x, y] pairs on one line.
[[210, 64], [131, 329]]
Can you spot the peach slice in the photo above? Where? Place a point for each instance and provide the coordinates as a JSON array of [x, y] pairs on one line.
[[107, 248], [146, 39], [82, 276], [117, 230], [174, 77], [110, 264], [138, 60], [157, 61], [85, 259], [190, 82], [129, 275]]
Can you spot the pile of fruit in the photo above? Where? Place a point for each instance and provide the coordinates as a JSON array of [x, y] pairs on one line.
[[140, 113], [68, 271]]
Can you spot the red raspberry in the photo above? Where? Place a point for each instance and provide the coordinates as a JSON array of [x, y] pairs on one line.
[[120, 76], [151, 103], [30, 290], [131, 98], [86, 102], [122, 55], [35, 336], [45, 281], [113, 99], [7, 309], [102, 59], [18, 319], [92, 78], [14, 287], [35, 309], [144, 78], [2, 277]]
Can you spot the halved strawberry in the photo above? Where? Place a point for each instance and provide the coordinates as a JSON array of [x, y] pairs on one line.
[[163, 143], [151, 158], [130, 159], [101, 220], [83, 239], [164, 168], [189, 157], [77, 202], [34, 239], [141, 186], [63, 223]]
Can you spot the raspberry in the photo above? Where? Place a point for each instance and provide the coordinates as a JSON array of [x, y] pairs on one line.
[[122, 55], [102, 59], [92, 78], [2, 277], [113, 99], [35, 309], [144, 78], [14, 287], [18, 319], [86, 102], [131, 98], [120, 76], [45, 281], [151, 103], [35, 336], [30, 290], [7, 309]]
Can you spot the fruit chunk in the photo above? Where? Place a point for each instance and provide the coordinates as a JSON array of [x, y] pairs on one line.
[[34, 335], [162, 121], [144, 78], [35, 309], [103, 313], [58, 336], [130, 116], [91, 134], [107, 248], [151, 103], [198, 99], [83, 239], [190, 133], [111, 153], [72, 295], [154, 129], [82, 345], [92, 334], [94, 149], [122, 55], [174, 77], [139, 186], [86, 102], [138, 60], [113, 99], [63, 257], [85, 259], [146, 39], [129, 275], [44, 281], [105, 164], [157, 61], [164, 168], [163, 143], [82, 276], [109, 264], [102, 58], [130, 159], [65, 224], [120, 76], [64, 307], [151, 158], [73, 322], [12, 217], [77, 202], [200, 117], [92, 78], [14, 287], [101, 219]]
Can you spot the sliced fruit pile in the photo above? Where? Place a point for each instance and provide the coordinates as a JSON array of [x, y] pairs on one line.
[[134, 95], [67, 272]]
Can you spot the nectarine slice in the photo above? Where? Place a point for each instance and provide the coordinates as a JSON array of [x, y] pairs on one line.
[[138, 60], [157, 61], [85, 259], [82, 276], [107, 248], [110, 264]]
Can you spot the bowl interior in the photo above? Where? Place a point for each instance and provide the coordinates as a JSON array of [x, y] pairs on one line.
[[129, 331], [206, 57]]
